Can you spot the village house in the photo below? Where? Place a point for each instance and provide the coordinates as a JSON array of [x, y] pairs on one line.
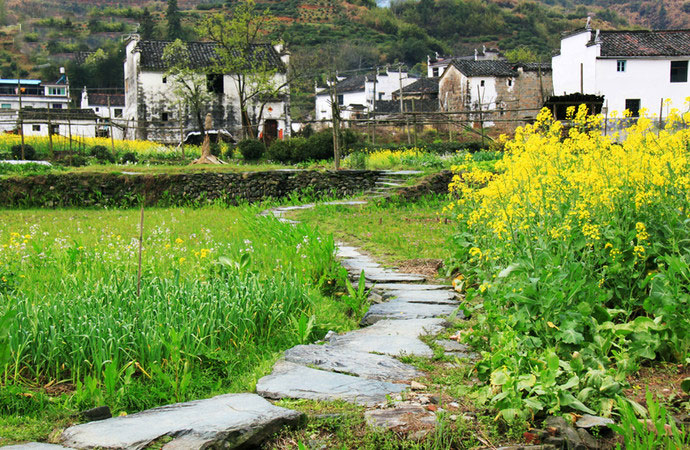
[[631, 69], [108, 106], [48, 121], [357, 95], [498, 93], [153, 112], [437, 64], [34, 93]]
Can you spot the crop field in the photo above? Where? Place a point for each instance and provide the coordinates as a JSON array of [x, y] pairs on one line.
[[222, 293]]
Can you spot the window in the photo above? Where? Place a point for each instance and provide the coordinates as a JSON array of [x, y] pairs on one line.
[[6, 106], [510, 82], [434, 71], [36, 128], [56, 91], [164, 117], [633, 105], [55, 129], [165, 80], [214, 83], [381, 94], [620, 65], [679, 71], [481, 83], [57, 105], [97, 109], [118, 112], [341, 99]]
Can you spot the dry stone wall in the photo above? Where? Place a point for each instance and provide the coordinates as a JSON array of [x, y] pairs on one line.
[[122, 190]]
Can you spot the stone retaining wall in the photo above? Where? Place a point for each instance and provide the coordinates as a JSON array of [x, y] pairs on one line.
[[435, 184], [91, 189]]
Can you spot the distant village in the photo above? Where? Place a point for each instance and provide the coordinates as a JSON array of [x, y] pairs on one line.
[[606, 70]]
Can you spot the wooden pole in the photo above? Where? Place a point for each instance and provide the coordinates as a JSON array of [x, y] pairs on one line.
[[21, 119], [415, 124], [110, 127], [141, 245], [481, 114], [181, 119], [582, 78], [661, 113], [69, 131], [50, 132], [373, 134]]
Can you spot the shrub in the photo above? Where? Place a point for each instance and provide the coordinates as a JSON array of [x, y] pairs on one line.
[[129, 158], [251, 149], [102, 154], [318, 146], [281, 150], [29, 152]]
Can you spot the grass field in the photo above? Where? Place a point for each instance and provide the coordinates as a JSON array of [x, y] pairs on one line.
[[223, 292]]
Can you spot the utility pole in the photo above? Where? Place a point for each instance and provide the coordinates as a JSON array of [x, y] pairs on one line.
[[402, 113], [335, 117], [21, 119], [373, 134], [110, 126], [50, 131]]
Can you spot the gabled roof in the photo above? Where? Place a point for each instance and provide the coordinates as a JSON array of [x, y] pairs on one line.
[[421, 86], [485, 68], [534, 67], [203, 55], [351, 84], [644, 43], [58, 114]]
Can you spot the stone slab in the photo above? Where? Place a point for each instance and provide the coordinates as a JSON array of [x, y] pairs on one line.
[[346, 203], [357, 265], [391, 337], [289, 380], [405, 310], [345, 251], [411, 287], [35, 446], [387, 276], [404, 417], [402, 172], [342, 360], [229, 421], [431, 297], [452, 346]]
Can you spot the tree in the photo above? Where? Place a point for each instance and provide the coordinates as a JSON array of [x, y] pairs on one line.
[[147, 26], [242, 53], [189, 84], [172, 15], [521, 54]]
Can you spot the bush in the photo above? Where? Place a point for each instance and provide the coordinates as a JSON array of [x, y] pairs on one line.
[[29, 152], [129, 158], [102, 154], [281, 150], [319, 146], [251, 149]]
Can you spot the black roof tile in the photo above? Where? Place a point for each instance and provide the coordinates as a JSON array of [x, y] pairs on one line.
[[203, 55], [421, 86], [644, 43]]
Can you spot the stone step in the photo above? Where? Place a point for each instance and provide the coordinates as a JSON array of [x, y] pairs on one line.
[[409, 287], [389, 276], [35, 446], [429, 297], [290, 380], [343, 360], [225, 421], [391, 337], [388, 183], [405, 310]]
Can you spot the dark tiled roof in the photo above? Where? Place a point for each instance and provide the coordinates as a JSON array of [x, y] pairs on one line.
[[58, 114], [351, 84], [393, 106], [534, 67], [102, 99], [644, 43], [485, 68], [203, 55], [421, 86]]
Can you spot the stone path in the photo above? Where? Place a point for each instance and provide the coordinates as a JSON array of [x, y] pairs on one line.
[[359, 367]]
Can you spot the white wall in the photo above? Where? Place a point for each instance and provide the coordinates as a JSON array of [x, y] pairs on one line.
[[566, 66], [646, 79]]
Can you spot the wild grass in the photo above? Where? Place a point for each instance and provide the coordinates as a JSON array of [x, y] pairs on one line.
[[223, 293]]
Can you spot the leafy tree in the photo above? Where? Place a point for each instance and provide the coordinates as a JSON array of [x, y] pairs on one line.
[[174, 18], [189, 84], [521, 54], [3, 13], [147, 26], [241, 39]]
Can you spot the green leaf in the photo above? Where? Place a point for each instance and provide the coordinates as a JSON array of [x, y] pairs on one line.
[[571, 336], [526, 381], [509, 414], [552, 361], [685, 385], [571, 383], [534, 404], [499, 378]]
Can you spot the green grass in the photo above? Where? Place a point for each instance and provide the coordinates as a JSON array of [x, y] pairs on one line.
[[222, 292], [390, 230]]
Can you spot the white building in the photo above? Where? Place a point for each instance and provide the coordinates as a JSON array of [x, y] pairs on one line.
[[631, 69], [77, 123], [107, 106], [357, 94], [34, 94], [437, 64], [152, 110]]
